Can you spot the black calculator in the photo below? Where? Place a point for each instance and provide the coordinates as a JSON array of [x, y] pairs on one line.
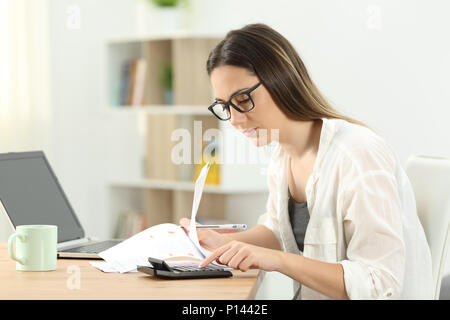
[[160, 268]]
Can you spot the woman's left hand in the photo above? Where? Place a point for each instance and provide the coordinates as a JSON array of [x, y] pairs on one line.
[[243, 256]]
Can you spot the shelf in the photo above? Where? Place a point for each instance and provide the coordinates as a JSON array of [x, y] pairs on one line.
[[136, 65], [161, 109], [182, 186], [181, 34], [143, 179]]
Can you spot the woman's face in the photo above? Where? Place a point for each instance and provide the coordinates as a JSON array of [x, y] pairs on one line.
[[259, 124]]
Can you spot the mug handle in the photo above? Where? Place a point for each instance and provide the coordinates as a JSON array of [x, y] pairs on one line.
[[11, 253]]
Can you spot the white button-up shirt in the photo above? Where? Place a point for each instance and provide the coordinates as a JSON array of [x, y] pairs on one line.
[[362, 215]]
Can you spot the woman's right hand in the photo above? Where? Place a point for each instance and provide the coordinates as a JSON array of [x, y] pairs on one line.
[[209, 239]]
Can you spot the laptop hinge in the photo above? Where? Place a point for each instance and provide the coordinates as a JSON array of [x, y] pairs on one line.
[[71, 243]]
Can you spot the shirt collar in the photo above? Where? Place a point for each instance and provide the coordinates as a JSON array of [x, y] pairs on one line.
[[327, 133]]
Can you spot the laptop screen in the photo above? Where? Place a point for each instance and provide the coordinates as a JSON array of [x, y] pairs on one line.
[[31, 194]]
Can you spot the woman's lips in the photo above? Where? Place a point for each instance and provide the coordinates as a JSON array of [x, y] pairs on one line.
[[250, 132]]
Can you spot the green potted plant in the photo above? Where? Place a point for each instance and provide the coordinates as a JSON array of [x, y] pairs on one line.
[[165, 3], [166, 81], [168, 15]]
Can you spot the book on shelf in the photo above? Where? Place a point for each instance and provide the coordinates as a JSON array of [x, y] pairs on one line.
[[209, 154], [129, 223], [132, 82]]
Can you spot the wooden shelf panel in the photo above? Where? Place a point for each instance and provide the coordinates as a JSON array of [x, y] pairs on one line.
[[129, 58], [162, 109], [160, 188], [182, 186], [182, 34]]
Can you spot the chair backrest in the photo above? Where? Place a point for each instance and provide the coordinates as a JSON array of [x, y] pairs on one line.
[[430, 180]]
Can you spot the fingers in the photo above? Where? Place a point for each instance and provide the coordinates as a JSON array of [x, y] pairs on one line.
[[246, 264], [214, 255], [236, 260], [242, 259], [227, 256], [226, 231], [185, 223], [235, 254]]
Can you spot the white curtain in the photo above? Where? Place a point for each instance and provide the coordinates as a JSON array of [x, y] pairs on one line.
[[25, 76], [25, 112]]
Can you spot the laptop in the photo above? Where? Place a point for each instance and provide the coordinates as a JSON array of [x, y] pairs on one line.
[[30, 193]]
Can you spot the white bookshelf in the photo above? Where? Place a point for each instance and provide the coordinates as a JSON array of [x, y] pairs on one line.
[[161, 109], [242, 193], [183, 186], [178, 34]]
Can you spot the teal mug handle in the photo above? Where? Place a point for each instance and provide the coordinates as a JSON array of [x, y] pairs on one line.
[[11, 253]]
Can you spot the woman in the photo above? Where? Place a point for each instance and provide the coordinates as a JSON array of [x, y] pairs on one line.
[[341, 218]]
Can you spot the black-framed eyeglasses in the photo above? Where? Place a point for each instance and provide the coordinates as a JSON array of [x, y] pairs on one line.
[[241, 101]]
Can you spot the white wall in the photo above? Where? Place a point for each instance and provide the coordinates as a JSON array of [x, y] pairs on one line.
[[394, 78], [391, 73], [80, 123], [386, 63]]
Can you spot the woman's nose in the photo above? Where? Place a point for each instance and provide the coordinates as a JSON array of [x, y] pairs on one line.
[[237, 118]]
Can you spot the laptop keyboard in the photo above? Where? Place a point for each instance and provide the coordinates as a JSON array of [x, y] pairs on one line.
[[94, 248]]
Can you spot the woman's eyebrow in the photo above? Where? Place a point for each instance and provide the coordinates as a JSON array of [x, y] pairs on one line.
[[218, 99]]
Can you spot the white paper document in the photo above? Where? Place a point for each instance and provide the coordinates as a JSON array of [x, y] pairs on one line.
[[198, 190], [106, 267], [161, 241]]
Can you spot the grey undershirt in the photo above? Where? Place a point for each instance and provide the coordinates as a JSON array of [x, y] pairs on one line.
[[299, 218]]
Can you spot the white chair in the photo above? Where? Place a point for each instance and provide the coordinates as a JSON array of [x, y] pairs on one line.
[[430, 180]]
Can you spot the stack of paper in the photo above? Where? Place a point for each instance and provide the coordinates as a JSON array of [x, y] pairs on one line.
[[161, 241]]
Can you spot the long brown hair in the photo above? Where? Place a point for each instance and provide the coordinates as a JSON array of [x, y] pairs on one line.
[[267, 54]]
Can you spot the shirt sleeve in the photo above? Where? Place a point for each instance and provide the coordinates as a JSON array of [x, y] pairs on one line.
[[372, 219]]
